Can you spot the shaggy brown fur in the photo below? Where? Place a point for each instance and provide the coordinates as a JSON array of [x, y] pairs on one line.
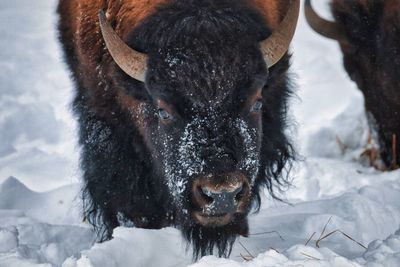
[[140, 167]]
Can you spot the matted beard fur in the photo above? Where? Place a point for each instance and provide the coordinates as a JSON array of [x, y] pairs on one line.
[[219, 240]]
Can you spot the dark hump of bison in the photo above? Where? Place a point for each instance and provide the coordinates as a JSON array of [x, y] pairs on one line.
[[122, 141]]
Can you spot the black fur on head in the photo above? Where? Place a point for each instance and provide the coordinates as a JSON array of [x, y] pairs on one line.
[[199, 116]]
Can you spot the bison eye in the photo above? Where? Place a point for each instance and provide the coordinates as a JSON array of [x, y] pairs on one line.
[[164, 115], [257, 106]]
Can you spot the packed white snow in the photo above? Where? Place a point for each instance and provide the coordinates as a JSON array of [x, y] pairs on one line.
[[341, 212]]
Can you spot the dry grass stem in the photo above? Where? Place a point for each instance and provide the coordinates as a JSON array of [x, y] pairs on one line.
[[309, 256], [270, 232], [246, 258], [343, 147], [248, 252], [338, 231], [274, 249], [326, 225], [371, 153], [308, 241]]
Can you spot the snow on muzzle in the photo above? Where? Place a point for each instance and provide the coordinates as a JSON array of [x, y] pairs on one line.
[[219, 197]]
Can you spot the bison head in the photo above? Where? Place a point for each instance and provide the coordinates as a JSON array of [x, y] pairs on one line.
[[211, 110]]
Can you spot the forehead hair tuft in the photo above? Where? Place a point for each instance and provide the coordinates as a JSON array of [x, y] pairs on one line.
[[205, 54]]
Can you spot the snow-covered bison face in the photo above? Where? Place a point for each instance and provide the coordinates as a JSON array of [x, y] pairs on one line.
[[206, 133], [211, 116], [194, 119]]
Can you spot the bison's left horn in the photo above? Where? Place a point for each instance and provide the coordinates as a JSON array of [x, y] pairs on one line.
[[324, 27], [130, 61], [276, 46]]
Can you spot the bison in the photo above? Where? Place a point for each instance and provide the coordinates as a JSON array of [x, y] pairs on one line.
[[182, 109], [368, 32]]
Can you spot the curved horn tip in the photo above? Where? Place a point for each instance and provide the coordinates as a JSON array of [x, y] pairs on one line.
[[102, 15], [132, 62], [326, 28], [276, 46]]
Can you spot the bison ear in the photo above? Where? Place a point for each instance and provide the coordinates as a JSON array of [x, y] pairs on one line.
[[130, 61], [324, 27], [276, 46]]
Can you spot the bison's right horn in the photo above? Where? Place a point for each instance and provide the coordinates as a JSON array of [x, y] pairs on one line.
[[324, 27], [130, 61]]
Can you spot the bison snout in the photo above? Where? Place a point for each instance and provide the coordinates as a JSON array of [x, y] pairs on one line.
[[219, 197], [222, 201]]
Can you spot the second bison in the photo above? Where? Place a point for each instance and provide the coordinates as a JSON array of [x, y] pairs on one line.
[[368, 32]]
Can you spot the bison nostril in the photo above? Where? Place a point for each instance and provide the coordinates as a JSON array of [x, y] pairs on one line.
[[222, 200], [239, 193], [206, 195]]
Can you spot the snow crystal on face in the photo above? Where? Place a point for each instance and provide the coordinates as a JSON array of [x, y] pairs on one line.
[[187, 162], [172, 61], [251, 160], [124, 221]]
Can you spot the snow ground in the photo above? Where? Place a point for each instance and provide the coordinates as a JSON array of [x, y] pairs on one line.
[[40, 222]]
